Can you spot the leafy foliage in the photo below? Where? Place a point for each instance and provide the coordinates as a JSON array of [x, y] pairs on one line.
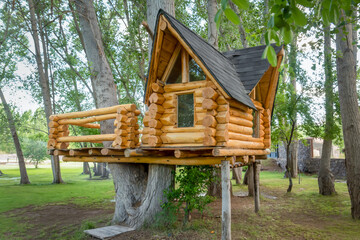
[[35, 151], [193, 182]]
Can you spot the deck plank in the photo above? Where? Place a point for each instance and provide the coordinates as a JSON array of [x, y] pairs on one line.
[[108, 232]]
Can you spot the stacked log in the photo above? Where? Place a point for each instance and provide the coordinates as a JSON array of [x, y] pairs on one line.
[[267, 132], [126, 127], [156, 110], [210, 121], [240, 128], [126, 132], [56, 131], [145, 131]]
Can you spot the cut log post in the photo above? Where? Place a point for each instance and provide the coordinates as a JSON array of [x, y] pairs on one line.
[[221, 100], [225, 201], [209, 93], [223, 117], [156, 98], [209, 104], [209, 121], [95, 152], [256, 186], [156, 87], [154, 141], [107, 152]]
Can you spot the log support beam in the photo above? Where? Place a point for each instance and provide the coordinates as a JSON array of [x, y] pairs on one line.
[[226, 201], [256, 173]]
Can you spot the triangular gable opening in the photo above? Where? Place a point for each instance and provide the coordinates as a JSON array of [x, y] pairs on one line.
[[168, 46], [184, 69]]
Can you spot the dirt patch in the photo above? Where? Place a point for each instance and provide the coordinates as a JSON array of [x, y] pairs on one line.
[[49, 220]]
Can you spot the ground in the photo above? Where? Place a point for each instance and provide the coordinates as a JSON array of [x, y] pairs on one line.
[[46, 211]]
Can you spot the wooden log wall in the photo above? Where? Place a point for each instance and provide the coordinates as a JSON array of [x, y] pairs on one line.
[[126, 128], [267, 128], [210, 121], [239, 131], [160, 121], [126, 133]]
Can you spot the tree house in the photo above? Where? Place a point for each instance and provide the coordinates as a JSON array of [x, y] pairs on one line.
[[203, 105], [204, 108]]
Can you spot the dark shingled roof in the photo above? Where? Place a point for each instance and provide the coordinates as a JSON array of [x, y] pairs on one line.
[[249, 65], [220, 67]]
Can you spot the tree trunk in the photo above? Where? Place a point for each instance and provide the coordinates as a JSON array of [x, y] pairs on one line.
[[250, 180], [153, 7], [86, 168], [215, 185], [44, 85], [212, 30], [242, 31], [24, 179], [98, 170], [293, 164], [346, 74], [288, 166], [139, 187], [326, 178], [237, 174]]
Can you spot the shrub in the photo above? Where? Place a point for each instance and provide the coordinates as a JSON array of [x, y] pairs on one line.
[[193, 182]]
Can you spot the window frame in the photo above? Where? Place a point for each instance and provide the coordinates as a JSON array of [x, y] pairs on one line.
[[177, 108], [185, 67]]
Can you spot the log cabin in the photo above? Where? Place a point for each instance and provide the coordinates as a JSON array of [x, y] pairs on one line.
[[203, 105], [204, 108], [200, 97]]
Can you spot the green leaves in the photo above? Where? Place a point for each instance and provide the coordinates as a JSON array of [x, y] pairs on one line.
[[232, 16], [270, 54], [299, 17], [242, 4]]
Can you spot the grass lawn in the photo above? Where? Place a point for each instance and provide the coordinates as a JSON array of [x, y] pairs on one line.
[[47, 211]]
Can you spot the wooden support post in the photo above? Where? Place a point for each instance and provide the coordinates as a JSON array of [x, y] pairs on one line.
[[226, 201], [256, 186]]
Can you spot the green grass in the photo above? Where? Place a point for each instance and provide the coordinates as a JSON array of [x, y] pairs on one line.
[[303, 213], [76, 189]]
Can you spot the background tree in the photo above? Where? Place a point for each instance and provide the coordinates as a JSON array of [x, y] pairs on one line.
[[42, 68], [326, 178], [8, 67]]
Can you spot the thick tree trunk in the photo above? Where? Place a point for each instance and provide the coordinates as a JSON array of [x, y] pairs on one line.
[[153, 7], [212, 30], [44, 85], [237, 174], [326, 178], [24, 179], [346, 74], [139, 187], [215, 186]]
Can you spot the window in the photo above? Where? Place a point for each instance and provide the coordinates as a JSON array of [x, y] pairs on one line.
[[175, 74], [185, 70], [185, 111], [196, 73], [256, 124]]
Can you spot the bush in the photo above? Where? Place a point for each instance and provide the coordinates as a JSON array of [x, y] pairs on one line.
[[193, 182]]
